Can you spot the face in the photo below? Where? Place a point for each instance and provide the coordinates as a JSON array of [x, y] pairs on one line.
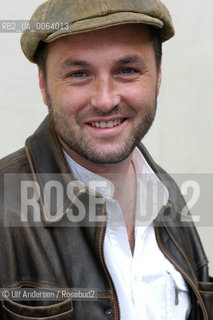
[[101, 90]]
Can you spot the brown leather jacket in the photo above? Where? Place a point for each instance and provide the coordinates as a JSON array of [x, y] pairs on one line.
[[57, 253]]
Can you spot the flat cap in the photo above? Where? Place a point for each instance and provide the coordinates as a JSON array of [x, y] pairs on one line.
[[56, 18]]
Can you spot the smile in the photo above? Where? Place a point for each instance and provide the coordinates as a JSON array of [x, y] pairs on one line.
[[106, 124]]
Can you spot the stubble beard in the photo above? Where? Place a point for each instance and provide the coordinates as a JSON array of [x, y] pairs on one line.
[[88, 150]]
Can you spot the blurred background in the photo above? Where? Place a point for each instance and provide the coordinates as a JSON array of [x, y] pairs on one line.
[[181, 138]]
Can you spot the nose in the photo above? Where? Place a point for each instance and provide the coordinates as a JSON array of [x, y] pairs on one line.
[[105, 97]]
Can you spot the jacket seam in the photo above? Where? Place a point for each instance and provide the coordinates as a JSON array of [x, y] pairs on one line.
[[38, 318], [100, 249]]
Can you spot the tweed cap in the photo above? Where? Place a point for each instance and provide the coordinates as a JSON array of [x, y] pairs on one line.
[[56, 18]]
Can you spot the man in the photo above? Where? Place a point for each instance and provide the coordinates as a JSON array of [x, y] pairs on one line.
[[84, 204]]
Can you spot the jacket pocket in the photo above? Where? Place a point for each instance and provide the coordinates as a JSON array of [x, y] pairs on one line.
[[57, 311], [206, 292]]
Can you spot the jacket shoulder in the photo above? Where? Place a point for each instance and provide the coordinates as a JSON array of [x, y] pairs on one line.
[[16, 162]]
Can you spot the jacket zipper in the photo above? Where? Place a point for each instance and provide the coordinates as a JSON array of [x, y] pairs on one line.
[[115, 295], [184, 274]]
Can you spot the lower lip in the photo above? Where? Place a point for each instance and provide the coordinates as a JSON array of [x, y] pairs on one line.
[[107, 131]]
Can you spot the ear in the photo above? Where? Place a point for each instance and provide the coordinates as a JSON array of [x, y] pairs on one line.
[[42, 85], [159, 78]]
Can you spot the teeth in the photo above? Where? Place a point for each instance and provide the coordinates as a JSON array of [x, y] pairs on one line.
[[104, 124], [110, 124], [116, 122]]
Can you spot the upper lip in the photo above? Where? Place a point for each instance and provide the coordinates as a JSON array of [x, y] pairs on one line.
[[106, 119]]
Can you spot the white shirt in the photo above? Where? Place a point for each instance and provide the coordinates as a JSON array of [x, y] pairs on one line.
[[148, 286]]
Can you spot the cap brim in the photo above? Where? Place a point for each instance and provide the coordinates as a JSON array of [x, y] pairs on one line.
[[104, 22]]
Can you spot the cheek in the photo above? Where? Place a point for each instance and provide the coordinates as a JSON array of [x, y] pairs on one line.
[[140, 97], [68, 100]]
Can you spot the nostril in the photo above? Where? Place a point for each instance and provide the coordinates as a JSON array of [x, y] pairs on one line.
[[105, 100]]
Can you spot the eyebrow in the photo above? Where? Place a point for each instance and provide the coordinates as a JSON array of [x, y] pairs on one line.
[[130, 59], [122, 61], [73, 62]]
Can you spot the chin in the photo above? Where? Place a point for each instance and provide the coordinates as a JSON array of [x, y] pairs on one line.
[[108, 158]]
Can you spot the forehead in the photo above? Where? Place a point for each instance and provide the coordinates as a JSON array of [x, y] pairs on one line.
[[127, 35]]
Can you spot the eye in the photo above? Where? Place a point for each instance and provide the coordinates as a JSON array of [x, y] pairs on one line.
[[78, 74], [128, 71], [127, 74]]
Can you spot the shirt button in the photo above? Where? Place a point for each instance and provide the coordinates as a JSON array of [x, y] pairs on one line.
[[109, 313]]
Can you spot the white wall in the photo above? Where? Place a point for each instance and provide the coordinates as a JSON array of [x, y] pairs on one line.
[[181, 138]]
